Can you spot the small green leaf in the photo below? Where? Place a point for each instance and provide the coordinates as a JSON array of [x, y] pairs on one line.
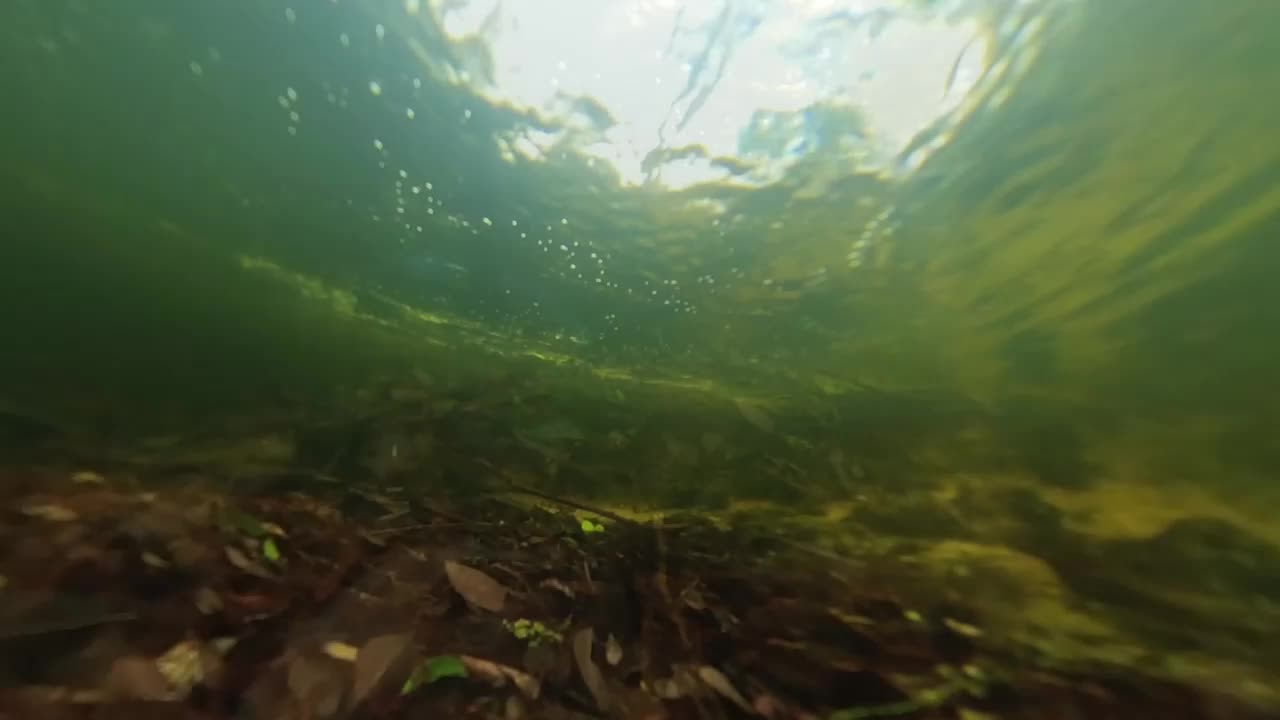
[[433, 669], [270, 550], [589, 527]]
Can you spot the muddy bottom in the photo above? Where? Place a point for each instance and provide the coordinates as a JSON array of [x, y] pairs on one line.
[[313, 599]]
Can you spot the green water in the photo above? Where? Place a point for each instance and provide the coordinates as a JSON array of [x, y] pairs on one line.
[[1046, 318]]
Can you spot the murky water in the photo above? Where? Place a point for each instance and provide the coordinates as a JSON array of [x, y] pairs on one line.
[[1013, 256]]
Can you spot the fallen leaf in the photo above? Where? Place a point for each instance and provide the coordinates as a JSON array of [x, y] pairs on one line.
[[591, 676], [499, 675], [612, 650], [341, 651], [961, 628], [433, 669], [716, 680], [555, 584], [183, 666], [138, 678], [54, 513], [271, 551], [153, 560], [475, 587], [222, 645], [754, 414], [637, 703], [243, 563], [373, 660], [681, 684], [317, 686], [87, 477], [208, 602]]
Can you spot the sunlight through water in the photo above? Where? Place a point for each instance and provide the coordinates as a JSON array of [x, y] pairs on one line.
[[682, 93]]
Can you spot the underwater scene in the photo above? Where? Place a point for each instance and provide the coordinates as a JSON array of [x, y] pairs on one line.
[[656, 359]]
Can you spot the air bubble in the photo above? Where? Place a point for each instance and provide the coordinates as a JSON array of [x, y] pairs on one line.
[[375, 88]]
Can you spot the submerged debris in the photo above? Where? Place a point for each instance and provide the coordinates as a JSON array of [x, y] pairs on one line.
[[475, 587], [351, 613]]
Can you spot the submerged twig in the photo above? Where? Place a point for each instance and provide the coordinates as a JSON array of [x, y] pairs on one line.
[[65, 625], [568, 503]]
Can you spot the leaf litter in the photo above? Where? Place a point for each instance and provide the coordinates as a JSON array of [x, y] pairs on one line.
[[167, 594]]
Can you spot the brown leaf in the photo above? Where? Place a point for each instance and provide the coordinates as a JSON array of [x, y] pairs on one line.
[[591, 676], [681, 684], [499, 675], [183, 665], [138, 678], [475, 587], [53, 513], [243, 563], [612, 650], [373, 661], [717, 681], [316, 685]]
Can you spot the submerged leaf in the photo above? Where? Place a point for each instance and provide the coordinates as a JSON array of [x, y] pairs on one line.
[[433, 669], [53, 513], [679, 685], [716, 680], [612, 650], [183, 666], [316, 685], [591, 676], [476, 587], [88, 477], [500, 674], [242, 562], [270, 550], [137, 678], [373, 660], [341, 651], [754, 414]]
